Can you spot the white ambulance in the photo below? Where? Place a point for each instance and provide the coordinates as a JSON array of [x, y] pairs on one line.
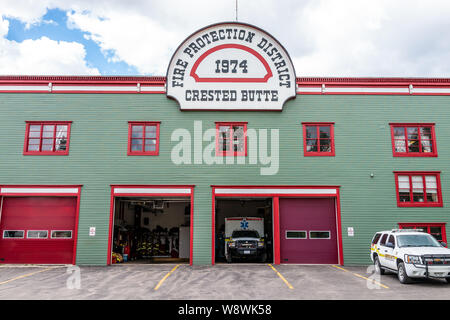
[[244, 238]]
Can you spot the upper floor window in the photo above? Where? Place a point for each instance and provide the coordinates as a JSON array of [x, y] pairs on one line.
[[143, 138], [437, 230], [47, 138], [413, 140], [231, 138], [318, 138], [418, 189]]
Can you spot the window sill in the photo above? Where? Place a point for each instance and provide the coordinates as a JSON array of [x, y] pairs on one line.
[[409, 205], [418, 155], [28, 153]]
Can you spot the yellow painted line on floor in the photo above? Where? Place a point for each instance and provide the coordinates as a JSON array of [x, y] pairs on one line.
[[166, 276], [281, 277], [362, 277], [26, 275]]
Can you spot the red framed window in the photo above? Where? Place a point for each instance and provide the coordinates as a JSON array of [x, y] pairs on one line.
[[418, 189], [318, 139], [47, 138], [143, 138], [437, 230], [231, 138], [413, 140]]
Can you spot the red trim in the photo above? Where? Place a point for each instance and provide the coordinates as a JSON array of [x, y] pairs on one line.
[[318, 153], [339, 227], [231, 152], [276, 215], [77, 214], [46, 153], [411, 203], [112, 202], [276, 230], [426, 224], [144, 124], [407, 153], [213, 228], [231, 46]]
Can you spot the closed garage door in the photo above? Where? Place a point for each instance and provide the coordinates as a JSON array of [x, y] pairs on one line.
[[308, 231], [37, 230]]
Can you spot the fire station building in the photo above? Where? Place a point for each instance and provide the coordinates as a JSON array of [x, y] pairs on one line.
[[97, 170]]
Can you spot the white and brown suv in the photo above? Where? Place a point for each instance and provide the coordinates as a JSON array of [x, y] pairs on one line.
[[410, 254]]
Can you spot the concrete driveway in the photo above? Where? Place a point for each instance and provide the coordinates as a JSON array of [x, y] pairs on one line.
[[222, 281]]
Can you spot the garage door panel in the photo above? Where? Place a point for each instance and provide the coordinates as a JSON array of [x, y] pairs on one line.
[[35, 251], [308, 215], [38, 214]]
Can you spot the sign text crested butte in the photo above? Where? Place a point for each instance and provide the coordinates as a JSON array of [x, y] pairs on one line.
[[231, 66]]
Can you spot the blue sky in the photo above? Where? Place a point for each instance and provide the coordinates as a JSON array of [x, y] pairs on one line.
[[351, 38], [54, 26]]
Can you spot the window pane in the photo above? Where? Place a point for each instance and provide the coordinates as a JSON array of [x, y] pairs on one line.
[[150, 131], [427, 146], [47, 134], [432, 196], [150, 145], [399, 133], [61, 144], [33, 147], [425, 133], [418, 197], [137, 131], [41, 234], [34, 134], [61, 132], [13, 234], [224, 129], [403, 182], [47, 147], [325, 132], [136, 144], [431, 182], [295, 234], [311, 132], [413, 146], [35, 128], [311, 145], [413, 133], [400, 145], [49, 127], [417, 182], [325, 145], [62, 234], [436, 232], [319, 234], [404, 196]]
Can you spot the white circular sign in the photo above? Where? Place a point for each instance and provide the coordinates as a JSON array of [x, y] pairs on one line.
[[231, 66]]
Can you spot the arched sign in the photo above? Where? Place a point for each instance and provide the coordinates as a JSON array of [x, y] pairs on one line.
[[231, 66]]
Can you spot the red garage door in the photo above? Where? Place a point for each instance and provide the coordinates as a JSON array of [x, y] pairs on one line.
[[37, 230], [308, 231]]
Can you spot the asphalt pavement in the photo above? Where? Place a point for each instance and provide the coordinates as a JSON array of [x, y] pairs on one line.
[[222, 281]]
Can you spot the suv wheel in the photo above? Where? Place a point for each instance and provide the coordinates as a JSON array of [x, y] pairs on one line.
[[378, 269], [447, 279], [402, 276]]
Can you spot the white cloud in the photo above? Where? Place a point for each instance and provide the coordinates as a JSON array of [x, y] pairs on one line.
[[42, 56], [323, 37]]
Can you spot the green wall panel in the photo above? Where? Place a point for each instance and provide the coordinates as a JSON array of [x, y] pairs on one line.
[[98, 157]]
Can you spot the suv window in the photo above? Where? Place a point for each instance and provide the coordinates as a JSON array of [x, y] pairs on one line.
[[376, 238], [383, 239], [392, 239]]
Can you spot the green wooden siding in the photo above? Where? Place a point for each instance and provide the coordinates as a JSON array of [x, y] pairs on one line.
[[98, 157]]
